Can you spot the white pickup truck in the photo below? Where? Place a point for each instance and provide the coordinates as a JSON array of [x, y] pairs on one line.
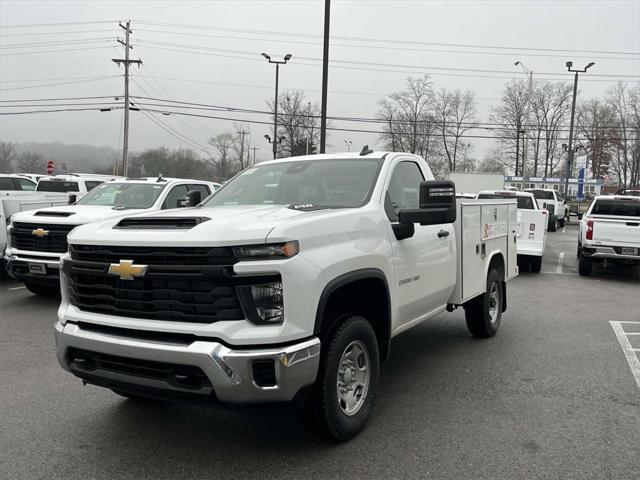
[[610, 232], [552, 201], [531, 229], [286, 285], [38, 238]]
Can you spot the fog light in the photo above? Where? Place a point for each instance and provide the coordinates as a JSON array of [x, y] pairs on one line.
[[262, 304]]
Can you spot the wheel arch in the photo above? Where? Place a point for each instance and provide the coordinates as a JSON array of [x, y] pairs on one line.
[[364, 291]]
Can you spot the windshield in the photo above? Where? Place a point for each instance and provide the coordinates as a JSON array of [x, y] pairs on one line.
[[622, 208], [123, 195], [525, 203], [57, 186], [542, 194], [319, 183]]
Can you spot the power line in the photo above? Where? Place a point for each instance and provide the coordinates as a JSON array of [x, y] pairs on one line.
[[384, 40], [60, 83], [64, 32], [52, 51], [56, 99], [33, 25], [58, 110], [79, 41], [174, 133]]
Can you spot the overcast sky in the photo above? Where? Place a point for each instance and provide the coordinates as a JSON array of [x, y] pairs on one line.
[[225, 72]]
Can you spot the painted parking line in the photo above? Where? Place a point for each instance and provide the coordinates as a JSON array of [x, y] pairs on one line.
[[629, 351], [16, 288], [560, 260]]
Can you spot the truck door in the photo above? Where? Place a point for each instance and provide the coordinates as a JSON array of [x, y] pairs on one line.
[[424, 264]]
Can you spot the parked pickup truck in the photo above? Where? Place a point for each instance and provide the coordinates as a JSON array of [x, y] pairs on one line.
[[38, 238], [286, 285], [531, 229], [552, 201], [610, 232]]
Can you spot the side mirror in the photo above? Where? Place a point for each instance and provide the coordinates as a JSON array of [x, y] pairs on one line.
[[191, 199], [73, 198], [437, 205]]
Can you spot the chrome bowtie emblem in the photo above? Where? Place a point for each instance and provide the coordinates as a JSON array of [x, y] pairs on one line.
[[126, 270], [40, 232]]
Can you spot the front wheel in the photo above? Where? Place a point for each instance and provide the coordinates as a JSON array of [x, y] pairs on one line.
[[347, 382], [483, 313], [536, 264]]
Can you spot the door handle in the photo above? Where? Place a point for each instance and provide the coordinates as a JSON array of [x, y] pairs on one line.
[[443, 233]]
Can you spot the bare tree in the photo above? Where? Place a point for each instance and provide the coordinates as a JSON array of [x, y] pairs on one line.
[[509, 116], [7, 156], [455, 114], [224, 164], [594, 122], [31, 162], [623, 102], [298, 123], [407, 119]]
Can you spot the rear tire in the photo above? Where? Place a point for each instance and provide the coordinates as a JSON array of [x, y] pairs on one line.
[[536, 264], [483, 313], [561, 222], [585, 265], [553, 223], [44, 290], [343, 396]]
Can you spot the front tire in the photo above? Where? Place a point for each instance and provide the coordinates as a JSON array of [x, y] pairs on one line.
[[347, 383], [483, 313], [536, 264], [44, 290]]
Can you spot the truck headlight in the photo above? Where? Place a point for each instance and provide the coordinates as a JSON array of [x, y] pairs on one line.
[[262, 304], [270, 251]]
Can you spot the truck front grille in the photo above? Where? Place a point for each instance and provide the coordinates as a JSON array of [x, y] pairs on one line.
[[172, 288], [39, 237]]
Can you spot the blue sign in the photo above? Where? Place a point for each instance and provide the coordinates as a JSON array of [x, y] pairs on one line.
[[580, 194]]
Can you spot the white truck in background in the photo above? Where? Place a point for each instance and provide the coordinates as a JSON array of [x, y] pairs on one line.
[[38, 238], [609, 232], [552, 201], [531, 227], [472, 183], [287, 284]]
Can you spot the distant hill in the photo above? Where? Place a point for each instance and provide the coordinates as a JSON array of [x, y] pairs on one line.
[[78, 158]]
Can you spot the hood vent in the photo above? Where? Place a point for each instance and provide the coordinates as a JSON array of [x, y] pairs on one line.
[[160, 223], [53, 214]]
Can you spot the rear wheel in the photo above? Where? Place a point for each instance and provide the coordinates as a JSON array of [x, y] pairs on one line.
[[553, 223], [536, 264], [585, 266], [45, 290], [561, 222], [347, 382], [483, 313]]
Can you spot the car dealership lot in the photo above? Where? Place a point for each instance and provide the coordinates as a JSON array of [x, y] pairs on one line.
[[552, 395]]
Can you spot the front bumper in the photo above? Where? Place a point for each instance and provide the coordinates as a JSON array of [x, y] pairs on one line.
[[610, 253], [17, 265], [231, 373]]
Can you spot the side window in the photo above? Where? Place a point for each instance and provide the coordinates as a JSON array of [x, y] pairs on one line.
[[6, 183], [203, 189], [404, 189], [92, 184], [174, 195], [25, 184]]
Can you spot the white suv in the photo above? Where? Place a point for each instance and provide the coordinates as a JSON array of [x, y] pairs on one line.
[[552, 201]]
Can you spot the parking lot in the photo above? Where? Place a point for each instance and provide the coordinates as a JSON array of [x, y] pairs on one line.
[[556, 394]]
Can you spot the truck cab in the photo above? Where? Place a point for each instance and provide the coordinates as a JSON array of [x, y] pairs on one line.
[[38, 238], [76, 184], [552, 201], [286, 285]]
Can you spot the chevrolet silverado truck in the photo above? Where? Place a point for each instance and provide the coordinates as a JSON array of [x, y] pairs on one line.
[[552, 201], [286, 285], [609, 232], [531, 227], [37, 239]]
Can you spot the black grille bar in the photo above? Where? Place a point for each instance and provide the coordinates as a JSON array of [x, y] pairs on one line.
[[55, 240]]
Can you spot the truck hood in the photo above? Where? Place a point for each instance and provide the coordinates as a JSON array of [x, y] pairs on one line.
[[75, 214], [226, 225]]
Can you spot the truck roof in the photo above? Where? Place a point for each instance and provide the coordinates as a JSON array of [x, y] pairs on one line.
[[506, 193], [336, 156]]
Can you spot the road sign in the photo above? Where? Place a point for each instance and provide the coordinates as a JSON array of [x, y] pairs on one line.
[[51, 166]]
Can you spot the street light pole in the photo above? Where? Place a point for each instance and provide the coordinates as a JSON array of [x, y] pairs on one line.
[[287, 57], [570, 151], [348, 143], [527, 116]]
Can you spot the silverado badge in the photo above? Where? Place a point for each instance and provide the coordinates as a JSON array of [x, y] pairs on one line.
[[40, 232], [127, 270]]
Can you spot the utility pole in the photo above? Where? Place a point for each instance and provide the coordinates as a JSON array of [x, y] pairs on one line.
[[242, 134], [126, 62], [527, 118], [325, 77], [287, 57], [570, 151], [254, 148]]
